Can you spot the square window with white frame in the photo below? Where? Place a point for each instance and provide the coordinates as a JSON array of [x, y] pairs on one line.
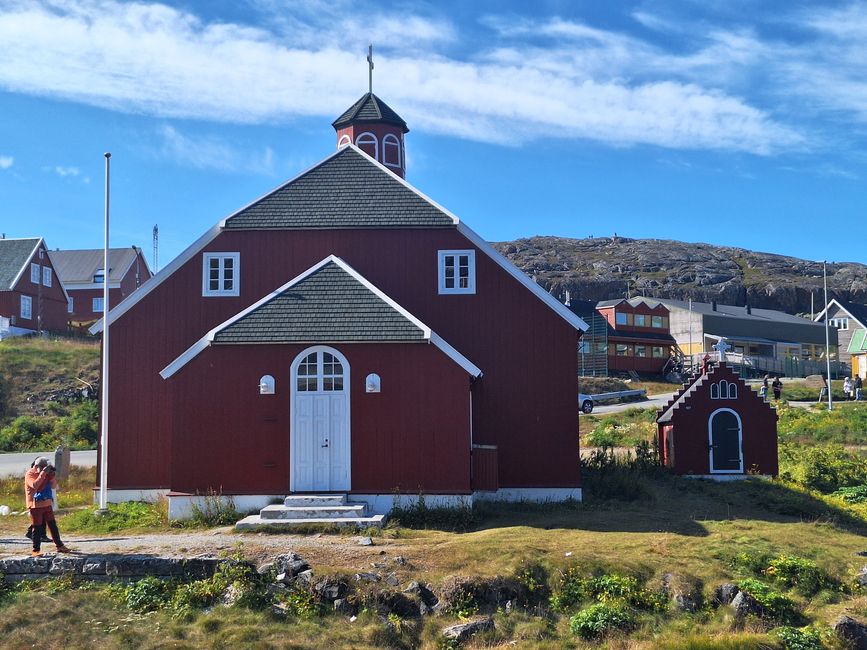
[[457, 271], [46, 276], [35, 274], [98, 305], [26, 307], [220, 274]]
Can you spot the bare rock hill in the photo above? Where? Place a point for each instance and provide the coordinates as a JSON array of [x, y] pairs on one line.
[[608, 267]]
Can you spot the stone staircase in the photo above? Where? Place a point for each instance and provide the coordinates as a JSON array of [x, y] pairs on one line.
[[311, 509]]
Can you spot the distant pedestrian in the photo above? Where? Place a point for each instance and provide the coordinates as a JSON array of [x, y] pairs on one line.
[[823, 394], [777, 385], [39, 486], [847, 388], [763, 391], [858, 388]]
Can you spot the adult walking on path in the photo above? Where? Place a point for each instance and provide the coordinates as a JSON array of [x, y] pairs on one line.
[[777, 385], [39, 486], [847, 388], [858, 388], [764, 389]]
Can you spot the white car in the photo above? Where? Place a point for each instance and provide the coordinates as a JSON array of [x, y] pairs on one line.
[[586, 402]]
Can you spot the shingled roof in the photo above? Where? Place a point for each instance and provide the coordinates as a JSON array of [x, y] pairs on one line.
[[329, 305], [79, 266], [370, 108], [14, 254], [346, 190]]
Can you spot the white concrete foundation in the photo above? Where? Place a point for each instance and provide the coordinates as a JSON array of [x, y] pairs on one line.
[[533, 495], [723, 478]]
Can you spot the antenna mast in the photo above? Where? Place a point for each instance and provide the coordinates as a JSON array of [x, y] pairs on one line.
[[370, 67], [156, 258]]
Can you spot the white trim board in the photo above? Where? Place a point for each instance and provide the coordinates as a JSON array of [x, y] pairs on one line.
[[190, 353]]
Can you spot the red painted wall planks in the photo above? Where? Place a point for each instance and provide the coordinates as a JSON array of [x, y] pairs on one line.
[[525, 403]]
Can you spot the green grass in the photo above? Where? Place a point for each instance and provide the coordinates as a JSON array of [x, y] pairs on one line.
[[622, 429], [77, 490], [846, 424]]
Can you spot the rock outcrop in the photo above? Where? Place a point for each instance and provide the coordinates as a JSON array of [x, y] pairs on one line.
[[609, 267]]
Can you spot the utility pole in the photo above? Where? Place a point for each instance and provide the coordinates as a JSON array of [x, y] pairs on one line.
[[827, 336], [103, 453]]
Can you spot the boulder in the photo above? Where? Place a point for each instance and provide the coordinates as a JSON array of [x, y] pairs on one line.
[[93, 566], [423, 592], [744, 604], [365, 541], [305, 578], [465, 631], [683, 591], [387, 602], [861, 578], [291, 564], [331, 588], [367, 577], [725, 593], [343, 606], [391, 580], [265, 568], [852, 632]]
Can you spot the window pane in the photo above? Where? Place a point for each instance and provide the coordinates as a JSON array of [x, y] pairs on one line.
[[327, 383], [465, 283], [639, 320], [228, 285], [214, 274], [228, 263], [464, 260], [338, 367], [640, 351], [449, 261], [338, 383], [213, 285], [620, 318], [214, 263], [450, 283]]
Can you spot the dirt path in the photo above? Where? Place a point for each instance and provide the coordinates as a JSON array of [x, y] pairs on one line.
[[329, 551]]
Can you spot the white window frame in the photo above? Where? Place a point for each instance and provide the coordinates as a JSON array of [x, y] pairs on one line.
[[98, 305], [97, 274], [35, 274], [359, 142], [710, 457], [391, 140], [26, 308], [236, 279], [344, 140], [70, 305], [46, 276], [471, 272]]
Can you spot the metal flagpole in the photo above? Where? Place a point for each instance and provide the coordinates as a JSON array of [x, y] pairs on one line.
[[827, 336], [370, 67], [103, 460], [690, 334]]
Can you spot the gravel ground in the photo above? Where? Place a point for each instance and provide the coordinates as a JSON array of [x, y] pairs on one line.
[[331, 551]]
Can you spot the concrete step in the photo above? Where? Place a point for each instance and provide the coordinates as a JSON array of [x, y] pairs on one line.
[[314, 512], [256, 522], [314, 500]]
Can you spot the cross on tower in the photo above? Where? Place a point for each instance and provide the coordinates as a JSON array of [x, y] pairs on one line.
[[722, 347], [370, 67]]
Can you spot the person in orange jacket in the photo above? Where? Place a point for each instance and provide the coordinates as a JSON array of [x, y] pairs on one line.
[[39, 486]]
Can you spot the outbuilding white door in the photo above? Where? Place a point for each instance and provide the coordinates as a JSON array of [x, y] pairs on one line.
[[319, 433]]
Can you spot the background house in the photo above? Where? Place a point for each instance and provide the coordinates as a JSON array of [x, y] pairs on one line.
[[762, 340], [82, 273], [32, 297], [846, 318], [638, 335]]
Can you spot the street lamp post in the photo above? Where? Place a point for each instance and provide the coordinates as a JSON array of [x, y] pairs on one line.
[[103, 460], [827, 337]]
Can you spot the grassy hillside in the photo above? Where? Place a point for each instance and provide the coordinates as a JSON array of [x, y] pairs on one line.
[[41, 400]]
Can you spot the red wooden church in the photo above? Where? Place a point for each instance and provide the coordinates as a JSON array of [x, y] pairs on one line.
[[717, 427], [343, 335]]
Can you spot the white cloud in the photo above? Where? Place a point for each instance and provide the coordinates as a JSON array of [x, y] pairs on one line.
[[210, 153], [589, 84], [6, 162], [66, 171]]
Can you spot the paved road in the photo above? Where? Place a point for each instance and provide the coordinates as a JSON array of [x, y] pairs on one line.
[[12, 464], [652, 401]]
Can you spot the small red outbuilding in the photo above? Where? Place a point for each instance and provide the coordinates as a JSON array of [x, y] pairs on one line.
[[717, 427]]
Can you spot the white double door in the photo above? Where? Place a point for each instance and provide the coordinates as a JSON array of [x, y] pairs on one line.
[[320, 435]]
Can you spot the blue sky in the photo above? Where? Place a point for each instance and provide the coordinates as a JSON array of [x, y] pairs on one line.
[[739, 123]]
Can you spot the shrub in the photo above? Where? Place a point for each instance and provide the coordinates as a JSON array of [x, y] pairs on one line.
[[569, 590], [854, 494], [27, 433], [799, 573], [754, 563], [616, 587], [147, 595], [533, 577], [420, 515], [601, 619], [215, 510], [793, 638], [825, 468], [774, 605], [79, 429]]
